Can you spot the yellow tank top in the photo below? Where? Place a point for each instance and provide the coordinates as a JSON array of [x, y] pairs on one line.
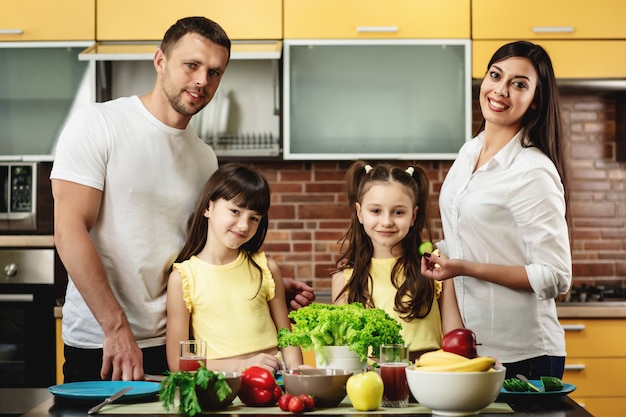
[[226, 309], [420, 334]]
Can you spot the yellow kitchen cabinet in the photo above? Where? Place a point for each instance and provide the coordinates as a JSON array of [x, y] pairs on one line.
[[554, 19], [596, 363], [602, 407], [571, 59], [582, 38], [138, 20], [60, 358], [36, 20], [366, 19]]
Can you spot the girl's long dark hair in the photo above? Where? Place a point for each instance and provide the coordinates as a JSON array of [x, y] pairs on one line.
[[541, 125], [248, 189], [414, 295]]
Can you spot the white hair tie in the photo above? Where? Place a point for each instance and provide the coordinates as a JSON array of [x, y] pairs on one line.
[[368, 168], [410, 171]]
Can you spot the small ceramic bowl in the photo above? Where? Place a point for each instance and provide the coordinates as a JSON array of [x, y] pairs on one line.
[[208, 398], [455, 393], [327, 386]]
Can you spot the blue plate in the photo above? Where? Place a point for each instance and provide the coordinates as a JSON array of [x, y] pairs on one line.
[[99, 390], [567, 388]]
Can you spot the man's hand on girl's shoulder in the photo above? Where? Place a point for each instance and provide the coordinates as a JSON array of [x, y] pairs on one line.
[[297, 293]]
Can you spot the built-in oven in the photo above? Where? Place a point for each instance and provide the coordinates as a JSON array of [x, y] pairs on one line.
[[27, 323], [26, 203]]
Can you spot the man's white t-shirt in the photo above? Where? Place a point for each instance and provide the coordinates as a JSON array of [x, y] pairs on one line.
[[151, 176]]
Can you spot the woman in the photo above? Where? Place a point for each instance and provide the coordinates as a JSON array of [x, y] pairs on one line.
[[503, 209]]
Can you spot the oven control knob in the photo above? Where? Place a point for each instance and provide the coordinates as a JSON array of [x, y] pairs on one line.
[[10, 270]]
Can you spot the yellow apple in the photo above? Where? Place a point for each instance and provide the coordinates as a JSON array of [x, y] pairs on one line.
[[365, 391]]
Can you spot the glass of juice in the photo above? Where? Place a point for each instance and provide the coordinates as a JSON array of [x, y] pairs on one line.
[[192, 352], [393, 362]]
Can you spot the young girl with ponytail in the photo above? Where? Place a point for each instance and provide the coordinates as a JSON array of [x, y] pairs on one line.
[[381, 263]]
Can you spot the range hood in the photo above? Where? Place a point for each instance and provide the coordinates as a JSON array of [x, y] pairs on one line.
[[121, 51]]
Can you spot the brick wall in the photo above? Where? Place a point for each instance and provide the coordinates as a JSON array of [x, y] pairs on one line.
[[309, 213]]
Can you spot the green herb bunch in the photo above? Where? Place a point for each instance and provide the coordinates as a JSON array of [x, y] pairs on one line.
[[352, 325], [187, 382]]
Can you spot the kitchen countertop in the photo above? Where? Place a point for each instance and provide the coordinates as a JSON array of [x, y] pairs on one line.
[[547, 407], [26, 241], [591, 310], [601, 310], [17, 401]]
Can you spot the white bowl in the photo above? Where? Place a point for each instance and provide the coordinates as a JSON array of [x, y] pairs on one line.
[[455, 393]]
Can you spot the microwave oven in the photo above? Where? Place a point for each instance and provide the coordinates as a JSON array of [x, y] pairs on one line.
[[25, 198]]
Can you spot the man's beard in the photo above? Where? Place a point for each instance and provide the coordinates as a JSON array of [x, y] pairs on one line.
[[177, 104]]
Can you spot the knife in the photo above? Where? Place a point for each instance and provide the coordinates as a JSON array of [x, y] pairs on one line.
[[530, 384], [109, 400]]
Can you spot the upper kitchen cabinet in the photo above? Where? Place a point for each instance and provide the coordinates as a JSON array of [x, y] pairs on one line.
[[583, 38], [137, 20], [41, 85], [554, 19], [347, 99], [366, 19], [36, 20], [580, 59]]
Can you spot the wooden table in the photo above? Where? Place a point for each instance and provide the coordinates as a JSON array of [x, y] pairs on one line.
[[547, 407]]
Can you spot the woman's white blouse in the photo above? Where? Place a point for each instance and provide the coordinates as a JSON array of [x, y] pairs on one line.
[[511, 211]]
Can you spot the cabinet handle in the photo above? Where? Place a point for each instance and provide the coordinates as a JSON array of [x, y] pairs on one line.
[[553, 29], [11, 31], [575, 367], [19, 298], [364, 29], [573, 327]]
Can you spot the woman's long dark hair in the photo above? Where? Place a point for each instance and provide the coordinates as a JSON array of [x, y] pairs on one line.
[[414, 295], [245, 187], [541, 125]]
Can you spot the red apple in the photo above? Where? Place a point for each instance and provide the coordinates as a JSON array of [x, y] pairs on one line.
[[460, 341]]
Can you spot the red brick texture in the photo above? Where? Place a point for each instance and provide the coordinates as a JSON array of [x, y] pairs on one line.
[[309, 212]]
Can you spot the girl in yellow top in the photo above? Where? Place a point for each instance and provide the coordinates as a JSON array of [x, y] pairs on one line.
[[222, 289], [380, 255]]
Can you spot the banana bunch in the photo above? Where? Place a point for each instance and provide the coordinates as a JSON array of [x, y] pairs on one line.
[[442, 361]]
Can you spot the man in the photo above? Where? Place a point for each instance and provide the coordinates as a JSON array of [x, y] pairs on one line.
[[125, 179]]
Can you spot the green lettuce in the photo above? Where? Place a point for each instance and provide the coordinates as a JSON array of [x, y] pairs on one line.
[[352, 325]]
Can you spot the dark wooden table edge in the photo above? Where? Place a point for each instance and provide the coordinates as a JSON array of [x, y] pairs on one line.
[[562, 407]]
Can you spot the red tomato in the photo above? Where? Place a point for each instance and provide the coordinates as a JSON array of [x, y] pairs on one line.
[[296, 405], [283, 401], [308, 401]]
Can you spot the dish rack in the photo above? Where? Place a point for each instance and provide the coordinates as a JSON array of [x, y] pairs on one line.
[[245, 144]]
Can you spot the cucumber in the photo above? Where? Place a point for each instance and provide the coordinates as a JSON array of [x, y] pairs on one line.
[[515, 385], [551, 383], [425, 247]]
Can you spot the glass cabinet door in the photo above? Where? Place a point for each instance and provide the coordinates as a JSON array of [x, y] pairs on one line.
[[376, 99], [40, 85]]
